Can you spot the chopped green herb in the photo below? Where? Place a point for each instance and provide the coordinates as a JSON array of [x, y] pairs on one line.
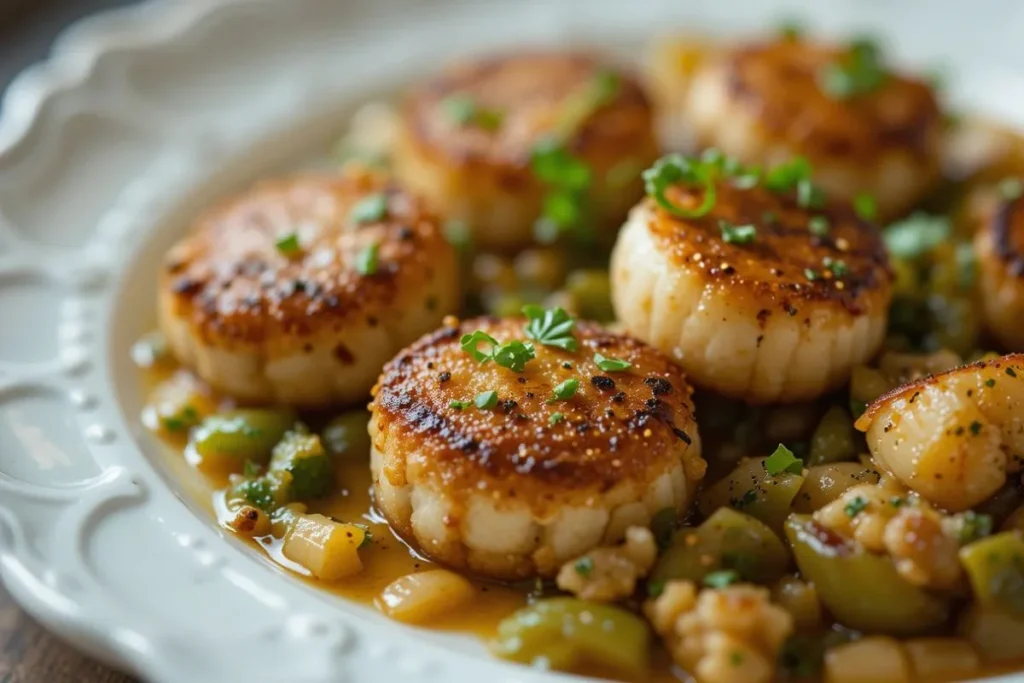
[[568, 179], [737, 234], [860, 71], [1011, 188], [1011, 372], [459, 108], [486, 400], [514, 355], [990, 382], [721, 578], [367, 261], [975, 428], [897, 502], [367, 538], [288, 244], [810, 274], [655, 588], [675, 169], [471, 342], [174, 424], [818, 225], [458, 405], [809, 195], [865, 206], [370, 209], [565, 390], [783, 460], [736, 658], [916, 235], [748, 498], [855, 506], [837, 266], [791, 29], [611, 364], [973, 526], [551, 327], [555, 418], [584, 566], [788, 175]]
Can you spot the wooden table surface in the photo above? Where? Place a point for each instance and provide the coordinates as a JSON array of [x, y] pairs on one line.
[[28, 654]]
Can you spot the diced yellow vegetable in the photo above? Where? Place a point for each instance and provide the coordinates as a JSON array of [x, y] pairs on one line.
[[566, 633], [942, 658], [997, 634], [875, 659], [423, 597], [861, 590], [834, 439], [800, 599], [726, 540], [995, 566], [750, 489], [328, 549], [825, 483]]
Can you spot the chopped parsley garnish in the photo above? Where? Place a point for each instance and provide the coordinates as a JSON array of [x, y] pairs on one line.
[[611, 364], [367, 260], [973, 526], [556, 418], [565, 205], [783, 460], [1011, 188], [565, 390], [1011, 372], [458, 405], [367, 536], [916, 235], [370, 209], [897, 502], [551, 327], [975, 428], [288, 244], [788, 175], [837, 266], [584, 566], [737, 234], [513, 355], [810, 274], [463, 110], [721, 578], [864, 205], [486, 400], [809, 195], [860, 71], [675, 169], [990, 382], [818, 225], [855, 506]]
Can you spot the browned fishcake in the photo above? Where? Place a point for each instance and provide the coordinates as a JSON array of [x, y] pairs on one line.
[[467, 137], [515, 490], [780, 316], [299, 290], [999, 246], [765, 102]]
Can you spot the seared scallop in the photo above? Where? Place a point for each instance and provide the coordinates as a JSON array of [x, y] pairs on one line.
[[300, 290], [757, 295], [500, 142], [864, 128], [561, 458], [999, 247], [954, 437]]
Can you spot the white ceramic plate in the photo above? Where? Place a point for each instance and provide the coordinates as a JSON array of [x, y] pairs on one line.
[[140, 117]]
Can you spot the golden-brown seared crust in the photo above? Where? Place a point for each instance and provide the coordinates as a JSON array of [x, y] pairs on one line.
[[1011, 365], [239, 290], [1004, 221], [530, 93], [786, 265], [779, 81], [619, 427]]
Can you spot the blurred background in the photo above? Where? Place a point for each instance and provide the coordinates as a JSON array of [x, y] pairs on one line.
[[28, 27]]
